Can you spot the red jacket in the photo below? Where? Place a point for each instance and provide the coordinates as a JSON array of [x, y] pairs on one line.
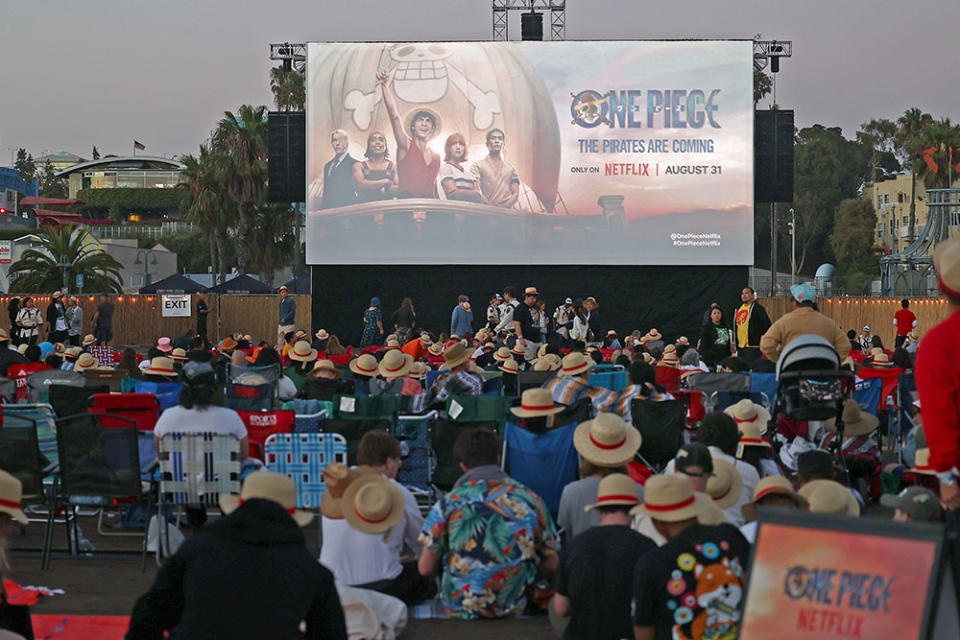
[[938, 382]]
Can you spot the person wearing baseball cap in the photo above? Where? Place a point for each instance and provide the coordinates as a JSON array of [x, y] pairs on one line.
[[803, 320], [592, 588], [938, 382], [234, 578], [694, 554], [493, 311], [914, 504]]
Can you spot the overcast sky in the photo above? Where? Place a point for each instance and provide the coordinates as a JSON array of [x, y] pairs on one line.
[[106, 72]]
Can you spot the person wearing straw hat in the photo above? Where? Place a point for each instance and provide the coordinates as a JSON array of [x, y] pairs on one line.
[[773, 492], [572, 385], [302, 356], [938, 382], [484, 356], [831, 497], [85, 362], [419, 347], [803, 320], [612, 341], [526, 323], [724, 485], [858, 427], [324, 382], [670, 358], [549, 362], [485, 576], [394, 370], [391, 342], [248, 575], [594, 578], [536, 410], [606, 445], [706, 562], [510, 369], [654, 343], [752, 420], [459, 380], [364, 369], [321, 337]]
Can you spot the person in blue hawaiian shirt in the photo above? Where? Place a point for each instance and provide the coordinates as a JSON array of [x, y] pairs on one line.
[[490, 536]]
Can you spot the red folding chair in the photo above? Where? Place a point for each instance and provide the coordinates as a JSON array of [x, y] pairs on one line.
[[142, 408], [263, 424], [890, 377], [694, 401], [668, 378]]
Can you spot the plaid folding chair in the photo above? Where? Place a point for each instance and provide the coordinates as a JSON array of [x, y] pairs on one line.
[[195, 468]]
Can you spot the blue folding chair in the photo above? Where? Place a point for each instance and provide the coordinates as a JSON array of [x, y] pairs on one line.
[[545, 463], [168, 393], [867, 394], [303, 457], [418, 459], [720, 400], [765, 383], [613, 380]]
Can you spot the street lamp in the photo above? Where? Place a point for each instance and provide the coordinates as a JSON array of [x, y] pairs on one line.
[[146, 257], [65, 264], [793, 246]]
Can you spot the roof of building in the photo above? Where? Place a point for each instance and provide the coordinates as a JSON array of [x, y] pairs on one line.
[[124, 163], [50, 202], [60, 156]]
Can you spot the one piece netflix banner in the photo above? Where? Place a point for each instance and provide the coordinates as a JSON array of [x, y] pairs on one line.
[[530, 152]]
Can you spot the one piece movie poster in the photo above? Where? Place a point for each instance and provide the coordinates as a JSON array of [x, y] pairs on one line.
[[810, 583], [530, 152]]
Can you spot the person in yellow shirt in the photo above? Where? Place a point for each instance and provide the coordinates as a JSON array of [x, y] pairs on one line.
[[751, 322]]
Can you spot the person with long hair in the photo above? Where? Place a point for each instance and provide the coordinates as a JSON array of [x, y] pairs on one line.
[[376, 177], [456, 183], [334, 348], [577, 326], [128, 363], [372, 325], [404, 320], [716, 339]]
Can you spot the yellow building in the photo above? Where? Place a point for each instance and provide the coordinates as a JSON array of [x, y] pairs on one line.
[[891, 201]]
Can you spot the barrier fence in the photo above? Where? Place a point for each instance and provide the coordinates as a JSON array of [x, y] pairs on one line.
[[138, 319]]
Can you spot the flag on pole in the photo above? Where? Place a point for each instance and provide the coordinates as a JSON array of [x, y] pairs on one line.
[[137, 145]]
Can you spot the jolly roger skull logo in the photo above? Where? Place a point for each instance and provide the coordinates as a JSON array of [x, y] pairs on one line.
[[422, 73]]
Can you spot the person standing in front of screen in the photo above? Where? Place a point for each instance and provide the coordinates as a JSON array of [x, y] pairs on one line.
[[338, 173], [499, 182], [455, 182], [417, 164]]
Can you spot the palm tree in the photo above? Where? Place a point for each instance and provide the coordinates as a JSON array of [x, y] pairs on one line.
[[909, 126], [63, 253], [204, 201], [273, 227], [288, 89], [933, 160], [243, 138]]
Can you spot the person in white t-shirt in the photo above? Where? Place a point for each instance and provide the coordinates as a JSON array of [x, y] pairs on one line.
[[368, 560]]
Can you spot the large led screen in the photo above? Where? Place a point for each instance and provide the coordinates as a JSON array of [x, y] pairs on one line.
[[530, 153]]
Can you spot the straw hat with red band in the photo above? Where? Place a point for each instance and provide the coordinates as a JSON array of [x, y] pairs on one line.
[[829, 496], [435, 349], [418, 371], [178, 354], [650, 360], [517, 349], [267, 485], [616, 489], [725, 485], [502, 354], [395, 364], [321, 365], [575, 363], [747, 411], [302, 352], [5, 335], [425, 340], [89, 340], [322, 334], [509, 366], [946, 259], [670, 358], [59, 349], [365, 365], [372, 503], [337, 477], [855, 421], [159, 366], [882, 360], [85, 362], [922, 463], [536, 402], [683, 341], [772, 485], [392, 342], [670, 498], [11, 491], [607, 440], [454, 356], [547, 364], [752, 436], [531, 291], [653, 334]]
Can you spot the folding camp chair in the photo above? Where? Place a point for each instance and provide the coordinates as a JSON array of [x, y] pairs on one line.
[[43, 416], [99, 466], [253, 375], [418, 459], [710, 382], [303, 457], [765, 383], [694, 402], [242, 397], [39, 383], [661, 426], [356, 415], [68, 401], [462, 413], [19, 373], [195, 468], [168, 393], [577, 412], [614, 380], [720, 400], [113, 378], [263, 424], [545, 462], [20, 455], [142, 408], [668, 377], [533, 379], [8, 390]]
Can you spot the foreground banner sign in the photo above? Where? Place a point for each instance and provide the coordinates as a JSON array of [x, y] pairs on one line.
[[175, 306], [530, 152]]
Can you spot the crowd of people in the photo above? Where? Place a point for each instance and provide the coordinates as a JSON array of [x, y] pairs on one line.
[[630, 548]]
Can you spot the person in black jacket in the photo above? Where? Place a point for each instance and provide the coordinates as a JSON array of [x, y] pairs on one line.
[[593, 321], [716, 339], [750, 323], [248, 575]]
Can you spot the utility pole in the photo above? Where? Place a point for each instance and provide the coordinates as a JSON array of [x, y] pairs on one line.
[[793, 246]]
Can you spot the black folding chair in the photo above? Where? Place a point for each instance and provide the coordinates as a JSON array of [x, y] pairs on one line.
[[533, 379], [661, 426]]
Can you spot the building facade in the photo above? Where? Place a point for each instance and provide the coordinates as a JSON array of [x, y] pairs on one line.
[[111, 172]]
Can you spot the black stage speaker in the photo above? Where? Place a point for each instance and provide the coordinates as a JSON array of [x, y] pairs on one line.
[[286, 156], [773, 155], [531, 26]]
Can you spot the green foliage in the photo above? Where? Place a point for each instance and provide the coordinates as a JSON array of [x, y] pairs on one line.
[[25, 165], [40, 270], [121, 202], [936, 140], [273, 227], [762, 85], [50, 185], [852, 239], [95, 154], [289, 93]]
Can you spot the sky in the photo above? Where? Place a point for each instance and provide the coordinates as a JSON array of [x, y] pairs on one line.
[[106, 72]]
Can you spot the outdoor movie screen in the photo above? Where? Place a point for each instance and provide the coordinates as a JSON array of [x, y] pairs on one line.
[[530, 153]]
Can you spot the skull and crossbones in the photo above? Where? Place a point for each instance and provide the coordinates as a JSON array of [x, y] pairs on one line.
[[422, 75]]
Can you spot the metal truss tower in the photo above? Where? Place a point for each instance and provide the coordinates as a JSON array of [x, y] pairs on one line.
[[503, 8]]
